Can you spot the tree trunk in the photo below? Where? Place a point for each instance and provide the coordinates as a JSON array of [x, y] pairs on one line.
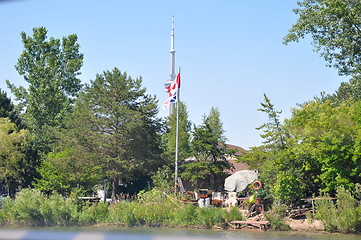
[[115, 188]]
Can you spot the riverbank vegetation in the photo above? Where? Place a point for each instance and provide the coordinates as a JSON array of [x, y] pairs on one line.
[[31, 207], [63, 137]]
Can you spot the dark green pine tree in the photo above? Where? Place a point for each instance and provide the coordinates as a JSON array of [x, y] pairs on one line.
[[274, 133], [184, 132], [117, 121], [7, 109], [209, 151]]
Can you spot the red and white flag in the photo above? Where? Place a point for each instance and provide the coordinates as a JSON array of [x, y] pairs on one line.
[[172, 90]]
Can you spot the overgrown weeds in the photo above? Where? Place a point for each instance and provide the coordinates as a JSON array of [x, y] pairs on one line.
[[276, 216], [33, 208], [344, 216]]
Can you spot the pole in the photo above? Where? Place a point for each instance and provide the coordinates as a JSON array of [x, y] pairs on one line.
[[176, 141]]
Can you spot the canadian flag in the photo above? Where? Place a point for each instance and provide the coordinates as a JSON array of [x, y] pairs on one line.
[[173, 87], [172, 90]]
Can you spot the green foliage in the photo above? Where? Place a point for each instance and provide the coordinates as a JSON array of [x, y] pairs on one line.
[[348, 91], [274, 159], [156, 209], [18, 159], [208, 217], [186, 216], [209, 151], [334, 28], [140, 213], [184, 128], [95, 213], [31, 207], [191, 216], [61, 172], [321, 151], [344, 217], [274, 134], [164, 178], [50, 67], [115, 123], [287, 188], [326, 139], [167, 214], [276, 216], [7, 110]]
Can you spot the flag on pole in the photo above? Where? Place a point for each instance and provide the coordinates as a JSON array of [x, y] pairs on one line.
[[173, 87], [171, 99], [172, 90]]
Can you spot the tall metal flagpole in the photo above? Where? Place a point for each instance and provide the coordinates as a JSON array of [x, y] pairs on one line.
[[176, 104], [176, 139]]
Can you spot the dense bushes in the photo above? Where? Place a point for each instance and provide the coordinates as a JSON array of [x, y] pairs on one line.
[[344, 216], [31, 207], [276, 216]]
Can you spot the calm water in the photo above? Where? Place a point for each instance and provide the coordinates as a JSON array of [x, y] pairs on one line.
[[157, 234]]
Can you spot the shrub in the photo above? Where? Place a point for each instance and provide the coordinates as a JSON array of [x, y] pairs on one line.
[[287, 189], [276, 216], [344, 217], [32, 207], [137, 213], [186, 216], [95, 213]]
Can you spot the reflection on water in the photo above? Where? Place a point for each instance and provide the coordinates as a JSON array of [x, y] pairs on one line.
[[92, 233]]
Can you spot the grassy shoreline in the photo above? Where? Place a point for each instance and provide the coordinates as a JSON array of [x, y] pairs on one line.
[[32, 208]]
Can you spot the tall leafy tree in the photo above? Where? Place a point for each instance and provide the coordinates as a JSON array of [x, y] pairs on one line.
[[334, 26], [184, 131], [116, 121], [279, 169], [209, 151], [326, 139], [50, 67]]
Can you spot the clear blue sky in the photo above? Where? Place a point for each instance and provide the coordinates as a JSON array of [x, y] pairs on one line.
[[230, 52]]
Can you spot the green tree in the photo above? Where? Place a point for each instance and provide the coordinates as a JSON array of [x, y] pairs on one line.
[[334, 26], [347, 91], [66, 169], [18, 160], [278, 167], [115, 121], [7, 109], [326, 139], [50, 67], [274, 135], [184, 129], [209, 152]]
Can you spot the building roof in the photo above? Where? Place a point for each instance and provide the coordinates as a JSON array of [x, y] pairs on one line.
[[239, 150], [237, 166]]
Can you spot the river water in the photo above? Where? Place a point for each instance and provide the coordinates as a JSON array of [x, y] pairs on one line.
[[97, 233]]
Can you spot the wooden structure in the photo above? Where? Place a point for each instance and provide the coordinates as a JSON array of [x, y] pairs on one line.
[[262, 225], [90, 200]]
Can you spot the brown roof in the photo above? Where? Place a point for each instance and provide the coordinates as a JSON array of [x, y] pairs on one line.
[[238, 166], [239, 150]]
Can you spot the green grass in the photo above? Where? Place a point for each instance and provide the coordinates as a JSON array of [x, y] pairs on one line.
[[33, 208]]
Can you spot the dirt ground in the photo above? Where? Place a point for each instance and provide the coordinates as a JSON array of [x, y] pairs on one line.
[[305, 225]]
